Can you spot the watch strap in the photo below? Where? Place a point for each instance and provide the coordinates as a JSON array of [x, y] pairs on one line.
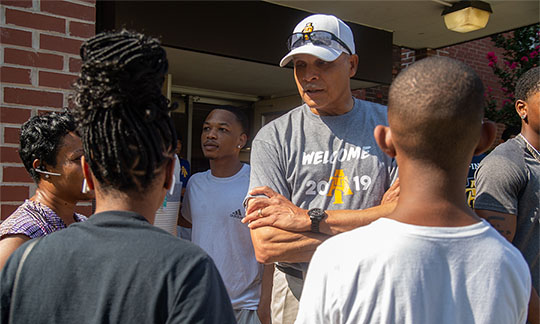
[[316, 215], [315, 225]]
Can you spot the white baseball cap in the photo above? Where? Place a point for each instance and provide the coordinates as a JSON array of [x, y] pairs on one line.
[[323, 36]]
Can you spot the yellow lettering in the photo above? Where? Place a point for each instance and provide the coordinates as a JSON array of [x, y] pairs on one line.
[[339, 186], [471, 193]]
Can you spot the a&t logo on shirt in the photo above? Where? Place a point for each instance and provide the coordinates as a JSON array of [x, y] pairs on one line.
[[470, 191], [339, 186]]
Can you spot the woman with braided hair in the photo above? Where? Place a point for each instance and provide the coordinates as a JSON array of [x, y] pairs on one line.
[[117, 267]]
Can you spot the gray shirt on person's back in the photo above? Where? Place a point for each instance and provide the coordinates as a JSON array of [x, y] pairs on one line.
[[508, 181], [329, 162]]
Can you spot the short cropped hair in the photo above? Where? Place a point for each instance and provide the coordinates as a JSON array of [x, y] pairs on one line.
[[528, 84], [41, 137], [241, 117], [123, 116], [435, 110]]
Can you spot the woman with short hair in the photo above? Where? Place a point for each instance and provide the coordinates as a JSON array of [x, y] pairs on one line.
[[51, 152]]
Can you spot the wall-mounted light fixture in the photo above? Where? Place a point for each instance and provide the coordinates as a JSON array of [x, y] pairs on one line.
[[467, 16]]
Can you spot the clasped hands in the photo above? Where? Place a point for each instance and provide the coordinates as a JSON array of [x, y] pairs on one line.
[[273, 209]]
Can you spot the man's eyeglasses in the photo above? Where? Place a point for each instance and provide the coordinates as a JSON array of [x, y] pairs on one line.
[[323, 38]]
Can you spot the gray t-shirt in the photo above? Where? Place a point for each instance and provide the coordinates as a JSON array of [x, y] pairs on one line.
[[508, 181], [329, 162], [113, 268]]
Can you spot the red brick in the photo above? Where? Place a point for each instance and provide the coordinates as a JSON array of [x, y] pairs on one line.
[[78, 29], [16, 174], [14, 193], [14, 115], [11, 135], [56, 80], [16, 37], [85, 210], [60, 44], [33, 97], [14, 75], [35, 59], [7, 210], [17, 3], [48, 111], [9, 155], [69, 9], [75, 65], [34, 20]]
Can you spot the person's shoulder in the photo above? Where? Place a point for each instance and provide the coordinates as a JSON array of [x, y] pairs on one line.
[[371, 105], [490, 238], [174, 251], [377, 111], [10, 267], [198, 177], [510, 149], [140, 237], [245, 171], [175, 245], [246, 168], [17, 217], [506, 155], [80, 217], [292, 114], [276, 126], [502, 250], [22, 222]]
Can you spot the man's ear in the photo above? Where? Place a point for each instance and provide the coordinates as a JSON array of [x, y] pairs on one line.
[[487, 136], [353, 60], [169, 171], [87, 173], [383, 137], [522, 109], [242, 140]]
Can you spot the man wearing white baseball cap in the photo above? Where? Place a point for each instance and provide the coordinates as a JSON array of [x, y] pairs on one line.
[[323, 36], [316, 171]]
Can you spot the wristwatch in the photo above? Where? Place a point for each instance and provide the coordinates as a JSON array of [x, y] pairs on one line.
[[316, 215]]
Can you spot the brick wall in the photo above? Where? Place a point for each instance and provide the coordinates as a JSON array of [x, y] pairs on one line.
[[472, 53], [379, 94], [39, 47]]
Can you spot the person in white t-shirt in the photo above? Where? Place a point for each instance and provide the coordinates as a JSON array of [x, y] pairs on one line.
[[432, 260], [213, 205]]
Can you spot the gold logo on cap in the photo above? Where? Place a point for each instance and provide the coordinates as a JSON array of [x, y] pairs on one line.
[[307, 30]]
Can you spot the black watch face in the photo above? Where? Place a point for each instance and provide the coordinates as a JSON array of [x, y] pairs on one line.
[[316, 213]]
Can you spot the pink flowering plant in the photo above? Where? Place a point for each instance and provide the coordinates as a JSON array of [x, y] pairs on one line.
[[520, 52]]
